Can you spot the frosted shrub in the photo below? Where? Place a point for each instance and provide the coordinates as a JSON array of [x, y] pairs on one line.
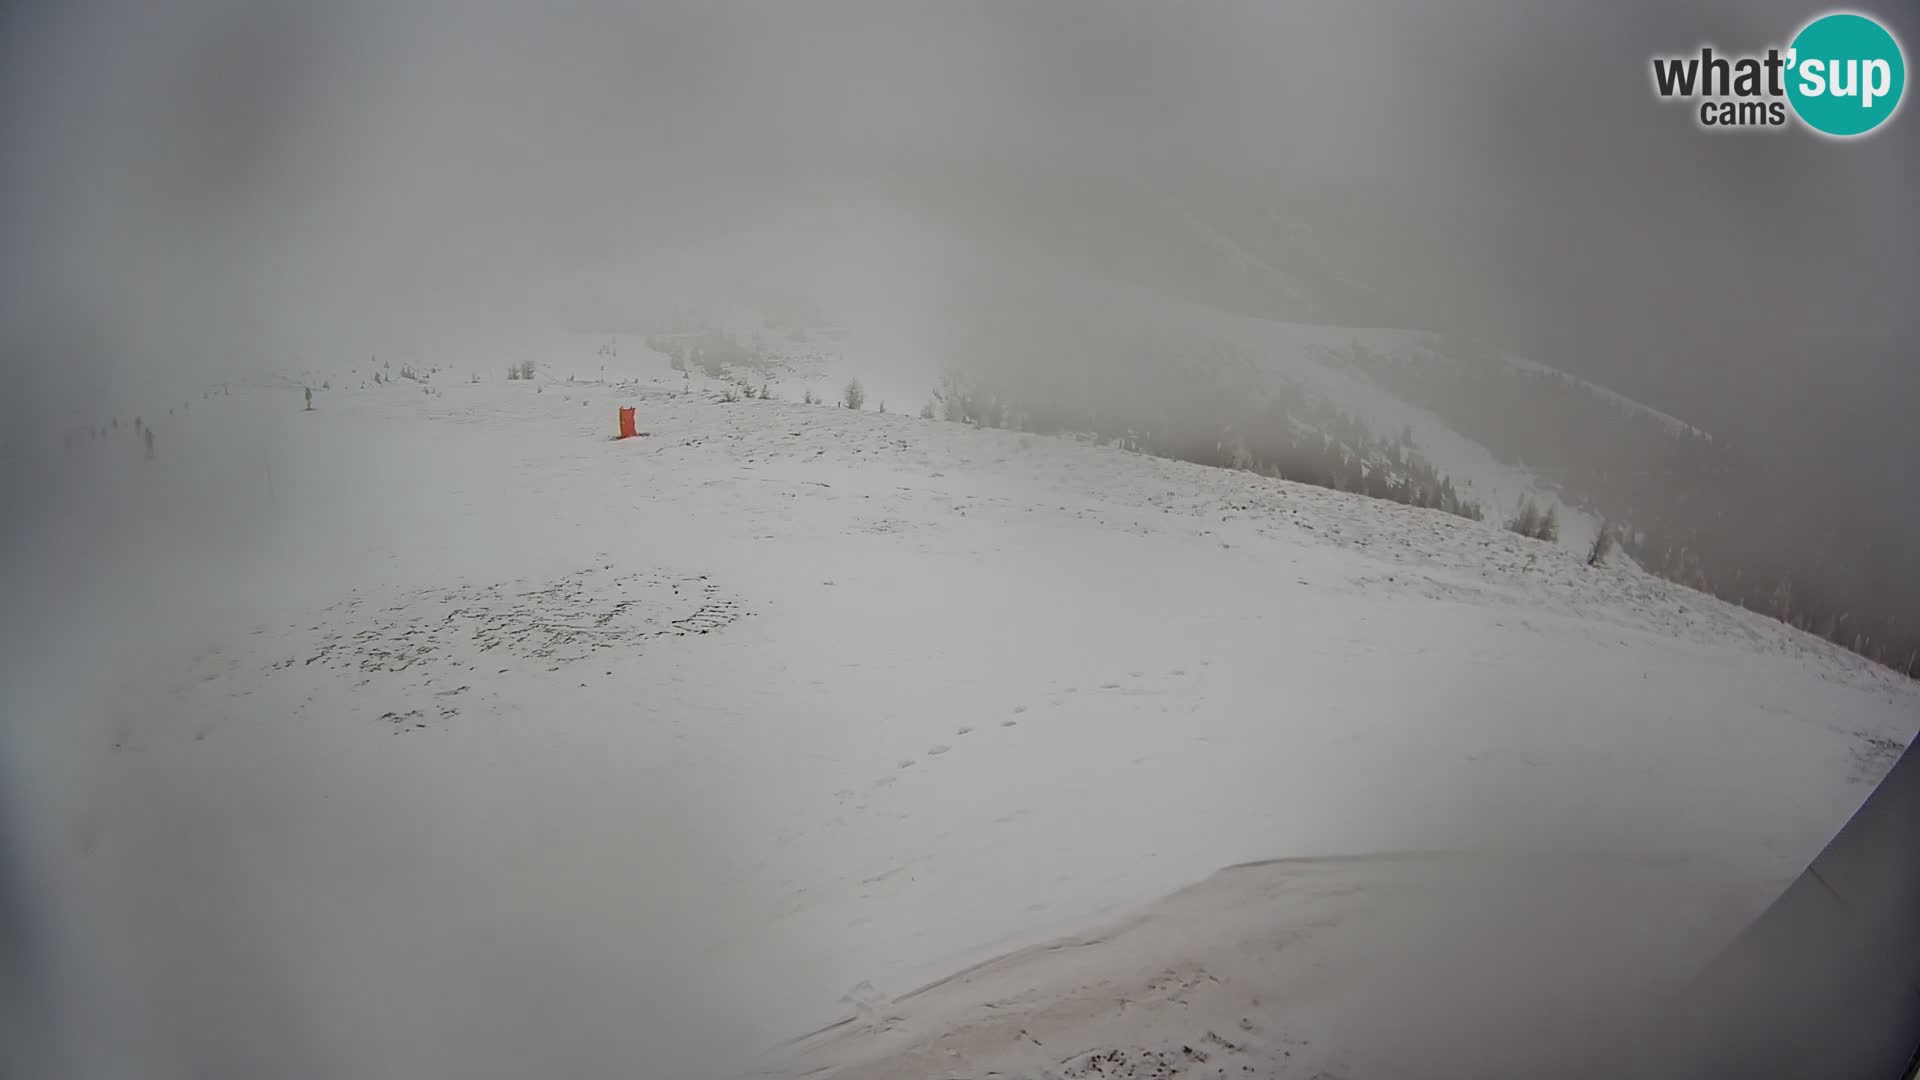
[[1603, 544], [1526, 519], [1533, 522]]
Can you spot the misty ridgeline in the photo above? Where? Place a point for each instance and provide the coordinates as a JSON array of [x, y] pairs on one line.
[[1690, 508]]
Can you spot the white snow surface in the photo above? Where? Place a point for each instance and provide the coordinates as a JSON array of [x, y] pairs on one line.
[[436, 733]]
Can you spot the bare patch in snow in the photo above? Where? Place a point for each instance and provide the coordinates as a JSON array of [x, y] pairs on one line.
[[428, 654], [1873, 757], [560, 622]]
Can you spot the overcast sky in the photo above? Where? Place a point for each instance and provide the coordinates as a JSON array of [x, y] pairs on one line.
[[204, 169]]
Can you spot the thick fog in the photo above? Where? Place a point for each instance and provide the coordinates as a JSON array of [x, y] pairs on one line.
[[222, 175], [195, 189], [205, 185], [205, 182]]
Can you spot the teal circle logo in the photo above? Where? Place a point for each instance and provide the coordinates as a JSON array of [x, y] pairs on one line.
[[1846, 74]]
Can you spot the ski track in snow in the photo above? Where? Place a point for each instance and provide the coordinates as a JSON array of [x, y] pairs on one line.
[[844, 700]]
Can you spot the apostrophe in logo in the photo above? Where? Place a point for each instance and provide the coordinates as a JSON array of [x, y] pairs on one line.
[[1846, 74], [1842, 75]]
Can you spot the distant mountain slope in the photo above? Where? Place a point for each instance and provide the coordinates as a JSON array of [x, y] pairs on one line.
[[1678, 425], [1230, 327]]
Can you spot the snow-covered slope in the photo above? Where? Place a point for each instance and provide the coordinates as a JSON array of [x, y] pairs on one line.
[[457, 739], [1673, 423], [1314, 356], [1022, 328], [1394, 964]]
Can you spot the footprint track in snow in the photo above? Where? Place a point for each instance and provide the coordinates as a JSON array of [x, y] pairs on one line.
[[942, 749], [936, 750]]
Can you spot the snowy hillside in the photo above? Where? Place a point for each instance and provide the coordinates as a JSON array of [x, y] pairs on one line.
[[1047, 336], [1672, 422], [463, 740]]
